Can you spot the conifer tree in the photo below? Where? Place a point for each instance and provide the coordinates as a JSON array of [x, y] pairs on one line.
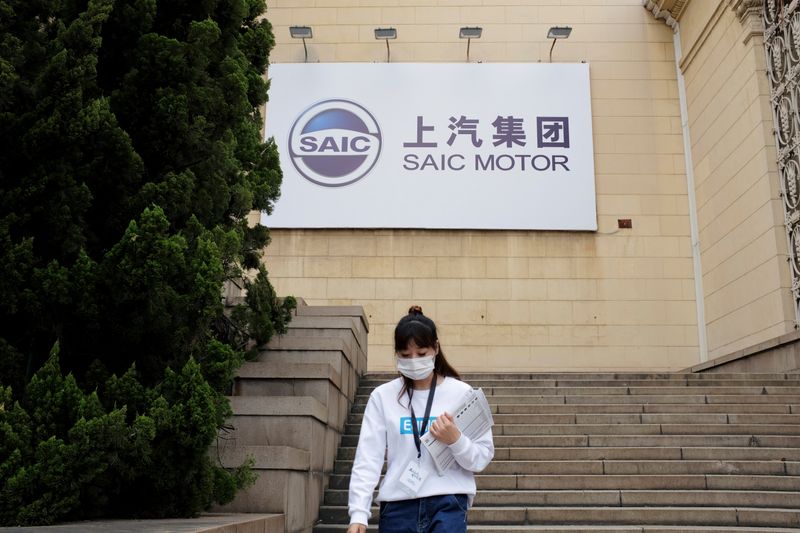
[[131, 157]]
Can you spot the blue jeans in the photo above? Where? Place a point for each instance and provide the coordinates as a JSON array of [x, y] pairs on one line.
[[434, 514]]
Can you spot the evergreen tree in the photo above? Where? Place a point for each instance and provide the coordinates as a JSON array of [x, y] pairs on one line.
[[131, 157]]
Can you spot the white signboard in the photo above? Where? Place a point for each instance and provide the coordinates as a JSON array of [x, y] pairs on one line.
[[472, 146]]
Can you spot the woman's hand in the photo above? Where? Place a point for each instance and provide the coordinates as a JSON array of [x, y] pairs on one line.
[[357, 528], [444, 429]]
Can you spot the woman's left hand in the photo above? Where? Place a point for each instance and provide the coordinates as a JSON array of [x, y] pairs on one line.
[[445, 430]]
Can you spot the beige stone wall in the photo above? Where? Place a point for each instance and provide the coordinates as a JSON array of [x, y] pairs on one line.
[[521, 300], [746, 278]]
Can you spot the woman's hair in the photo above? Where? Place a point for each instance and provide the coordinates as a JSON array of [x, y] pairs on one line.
[[421, 330]]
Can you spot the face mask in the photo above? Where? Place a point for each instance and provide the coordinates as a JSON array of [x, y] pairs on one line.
[[416, 367]]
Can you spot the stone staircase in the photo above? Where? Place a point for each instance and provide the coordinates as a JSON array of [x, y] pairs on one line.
[[624, 452], [289, 407]]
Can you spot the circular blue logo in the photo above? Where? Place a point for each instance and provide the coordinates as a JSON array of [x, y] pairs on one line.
[[335, 143]]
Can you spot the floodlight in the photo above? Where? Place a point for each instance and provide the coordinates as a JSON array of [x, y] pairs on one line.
[[555, 33], [559, 32], [301, 32], [469, 33], [386, 34]]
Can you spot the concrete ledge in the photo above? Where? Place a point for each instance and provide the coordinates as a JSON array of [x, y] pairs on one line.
[[294, 494], [207, 523], [332, 326], [342, 354], [355, 311], [271, 524], [309, 344], [299, 371], [278, 406], [266, 457], [780, 354]]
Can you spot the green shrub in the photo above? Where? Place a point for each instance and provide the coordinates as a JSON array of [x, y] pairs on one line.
[[64, 456]]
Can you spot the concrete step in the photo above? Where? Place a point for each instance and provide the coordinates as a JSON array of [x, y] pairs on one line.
[[635, 429], [626, 498], [779, 399], [708, 498], [747, 408], [721, 516], [636, 418], [618, 453], [665, 408], [620, 439], [469, 377], [623, 529], [519, 515], [693, 481], [685, 382], [647, 429], [337, 528], [692, 440], [633, 391], [369, 384], [623, 467], [609, 482]]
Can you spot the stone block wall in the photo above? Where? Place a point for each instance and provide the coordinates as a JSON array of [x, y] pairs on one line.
[[290, 406], [615, 299]]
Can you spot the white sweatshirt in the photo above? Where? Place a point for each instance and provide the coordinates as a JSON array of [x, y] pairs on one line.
[[387, 429]]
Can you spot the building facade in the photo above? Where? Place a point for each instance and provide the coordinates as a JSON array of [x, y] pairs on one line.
[[684, 148]]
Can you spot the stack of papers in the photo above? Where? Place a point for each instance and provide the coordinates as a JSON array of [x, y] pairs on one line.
[[473, 418]]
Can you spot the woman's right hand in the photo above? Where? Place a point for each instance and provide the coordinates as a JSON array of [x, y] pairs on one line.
[[357, 528]]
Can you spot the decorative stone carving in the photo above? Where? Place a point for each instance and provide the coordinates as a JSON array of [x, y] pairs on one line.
[[671, 10], [746, 8], [781, 20], [662, 11], [749, 13], [770, 12]]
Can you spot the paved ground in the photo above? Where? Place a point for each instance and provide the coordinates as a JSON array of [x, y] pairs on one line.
[[210, 522]]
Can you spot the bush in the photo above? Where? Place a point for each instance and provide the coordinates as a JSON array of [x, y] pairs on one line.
[[64, 456]]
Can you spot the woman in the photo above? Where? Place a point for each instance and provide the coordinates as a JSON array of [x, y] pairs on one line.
[[413, 496]]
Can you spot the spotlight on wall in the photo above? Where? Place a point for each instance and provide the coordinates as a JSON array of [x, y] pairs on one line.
[[301, 32], [386, 34], [555, 33], [470, 33]]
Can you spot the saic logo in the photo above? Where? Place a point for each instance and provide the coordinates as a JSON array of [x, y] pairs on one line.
[[335, 143]]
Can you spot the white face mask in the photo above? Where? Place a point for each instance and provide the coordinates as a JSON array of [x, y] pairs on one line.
[[416, 367]]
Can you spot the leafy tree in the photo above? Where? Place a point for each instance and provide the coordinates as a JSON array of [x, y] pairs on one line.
[[131, 158]]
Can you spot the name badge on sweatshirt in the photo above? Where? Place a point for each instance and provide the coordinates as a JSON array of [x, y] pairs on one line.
[[412, 477]]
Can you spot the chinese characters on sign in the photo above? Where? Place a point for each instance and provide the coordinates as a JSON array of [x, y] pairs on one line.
[[509, 132], [552, 132]]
